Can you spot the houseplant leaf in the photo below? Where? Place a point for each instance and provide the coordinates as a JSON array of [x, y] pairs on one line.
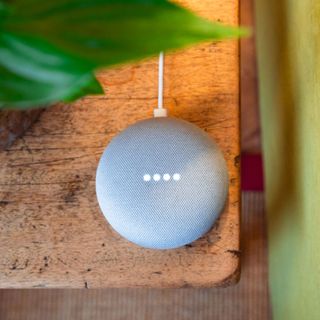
[[87, 34], [35, 73]]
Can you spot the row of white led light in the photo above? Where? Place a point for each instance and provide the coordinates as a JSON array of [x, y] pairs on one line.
[[165, 177]]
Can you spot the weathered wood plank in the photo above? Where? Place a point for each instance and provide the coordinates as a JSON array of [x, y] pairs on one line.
[[52, 233]]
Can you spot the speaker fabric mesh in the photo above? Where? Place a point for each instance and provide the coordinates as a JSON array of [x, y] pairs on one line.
[[162, 183]]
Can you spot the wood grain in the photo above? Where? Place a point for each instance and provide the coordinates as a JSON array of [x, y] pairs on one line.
[[250, 118], [248, 300], [14, 123], [52, 232]]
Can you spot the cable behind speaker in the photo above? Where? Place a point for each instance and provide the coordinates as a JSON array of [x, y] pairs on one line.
[[160, 111]]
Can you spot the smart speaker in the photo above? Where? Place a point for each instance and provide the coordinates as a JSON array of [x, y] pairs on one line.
[[162, 183]]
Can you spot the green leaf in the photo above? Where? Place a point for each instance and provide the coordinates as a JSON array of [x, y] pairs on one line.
[[34, 73], [91, 87], [109, 32], [3, 10], [53, 47]]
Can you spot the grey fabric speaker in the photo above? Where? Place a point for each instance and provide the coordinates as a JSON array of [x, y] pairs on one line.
[[162, 183]]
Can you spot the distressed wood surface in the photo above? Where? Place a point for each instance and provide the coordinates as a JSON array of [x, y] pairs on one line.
[[13, 124], [249, 98], [52, 233]]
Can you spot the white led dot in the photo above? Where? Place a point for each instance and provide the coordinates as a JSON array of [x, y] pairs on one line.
[[156, 177], [147, 177], [176, 177], [166, 177]]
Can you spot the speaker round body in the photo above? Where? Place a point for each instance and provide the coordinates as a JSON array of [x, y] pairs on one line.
[[162, 183]]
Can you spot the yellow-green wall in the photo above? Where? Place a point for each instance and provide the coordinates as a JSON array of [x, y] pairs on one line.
[[288, 41]]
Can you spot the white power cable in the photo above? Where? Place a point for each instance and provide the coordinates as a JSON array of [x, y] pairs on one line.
[[160, 111], [160, 81]]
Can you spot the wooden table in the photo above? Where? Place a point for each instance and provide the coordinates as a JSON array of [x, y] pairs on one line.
[[52, 233]]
